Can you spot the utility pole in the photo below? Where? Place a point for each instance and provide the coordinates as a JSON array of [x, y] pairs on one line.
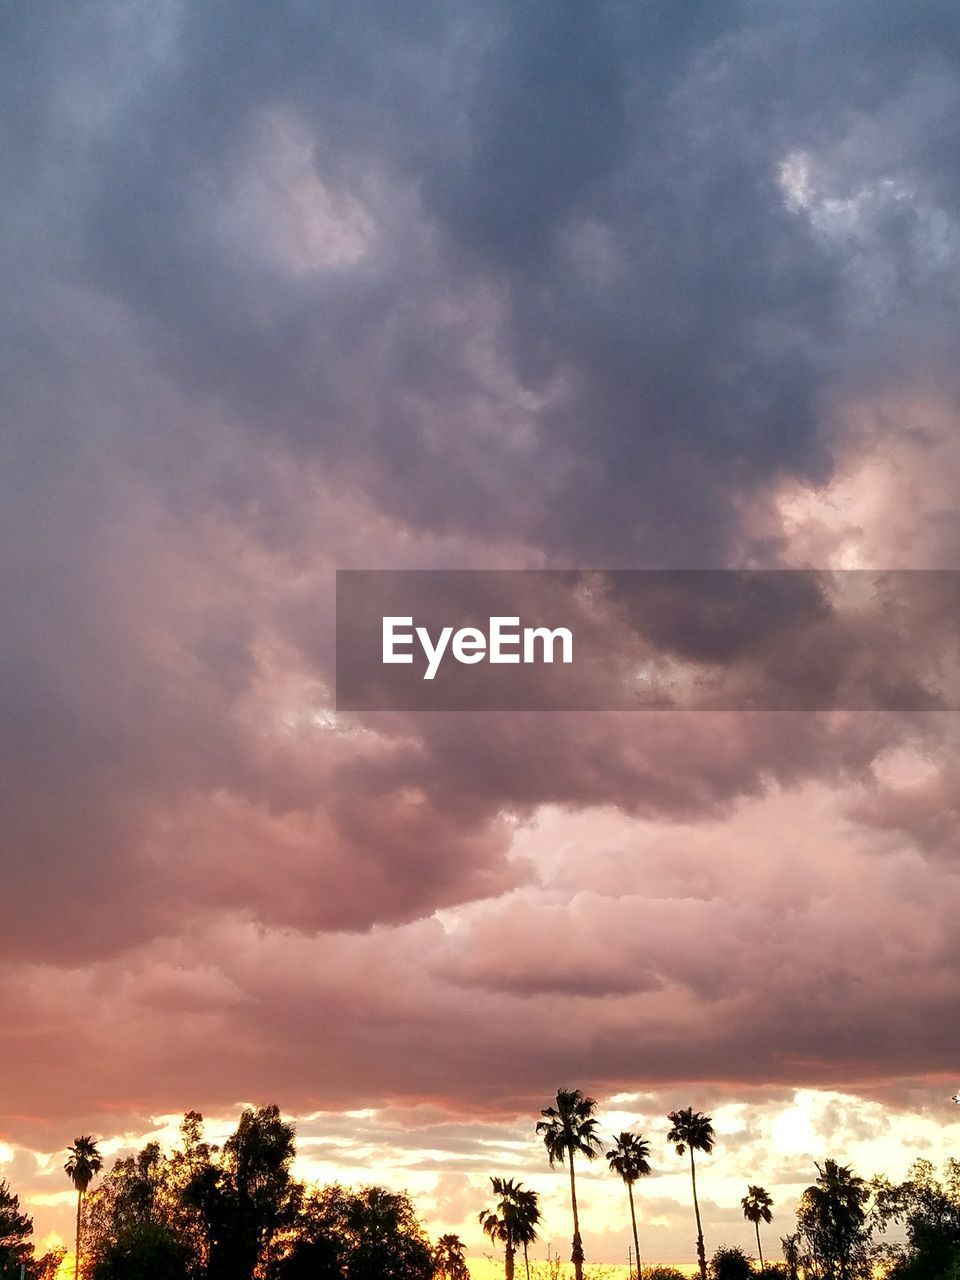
[[630, 1262]]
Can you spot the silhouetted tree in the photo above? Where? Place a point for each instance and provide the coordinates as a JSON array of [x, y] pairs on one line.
[[449, 1258], [513, 1222], [316, 1246], [757, 1207], [371, 1234], [203, 1214], [83, 1164], [928, 1209], [499, 1224], [16, 1228], [247, 1197], [149, 1189], [570, 1129], [309, 1260], [729, 1262], [48, 1267], [144, 1251], [629, 1157], [831, 1218], [130, 1195], [385, 1238], [185, 1168], [793, 1255], [528, 1217], [693, 1131]]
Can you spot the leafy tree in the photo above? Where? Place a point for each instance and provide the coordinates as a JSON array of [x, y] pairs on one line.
[[48, 1267], [449, 1258], [45, 1268], [730, 1263], [629, 1157], [385, 1238], [831, 1218], [84, 1162], [310, 1260], [246, 1199], [152, 1189], [130, 1195], [16, 1228], [757, 1207], [569, 1129], [693, 1131], [664, 1273], [144, 1251], [189, 1167], [316, 1247], [929, 1211], [370, 1234]]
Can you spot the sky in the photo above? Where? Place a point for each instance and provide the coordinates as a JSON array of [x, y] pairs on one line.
[[298, 286]]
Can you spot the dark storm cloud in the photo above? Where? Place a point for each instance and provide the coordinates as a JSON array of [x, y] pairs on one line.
[[607, 172]]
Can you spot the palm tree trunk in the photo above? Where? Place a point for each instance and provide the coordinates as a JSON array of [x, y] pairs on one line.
[[759, 1246], [636, 1241], [701, 1251], [76, 1257], [508, 1262], [576, 1255]]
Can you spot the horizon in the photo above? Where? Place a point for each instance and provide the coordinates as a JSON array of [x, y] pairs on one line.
[[793, 1134]]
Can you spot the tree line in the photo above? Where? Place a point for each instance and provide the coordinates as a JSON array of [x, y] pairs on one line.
[[236, 1212]]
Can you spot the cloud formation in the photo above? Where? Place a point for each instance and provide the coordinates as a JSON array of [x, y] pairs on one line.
[[480, 285]]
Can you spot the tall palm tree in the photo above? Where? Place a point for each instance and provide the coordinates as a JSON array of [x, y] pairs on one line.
[[527, 1218], [570, 1129], [84, 1162], [693, 1131], [448, 1255], [757, 1207], [629, 1157]]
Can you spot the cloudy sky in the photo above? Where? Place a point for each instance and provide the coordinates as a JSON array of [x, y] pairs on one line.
[[294, 286]]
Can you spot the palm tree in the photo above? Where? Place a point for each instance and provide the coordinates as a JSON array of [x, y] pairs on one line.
[[831, 1216], [629, 1157], [569, 1129], [792, 1254], [500, 1223], [693, 1131], [449, 1258], [84, 1162], [757, 1207], [499, 1232], [527, 1219]]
